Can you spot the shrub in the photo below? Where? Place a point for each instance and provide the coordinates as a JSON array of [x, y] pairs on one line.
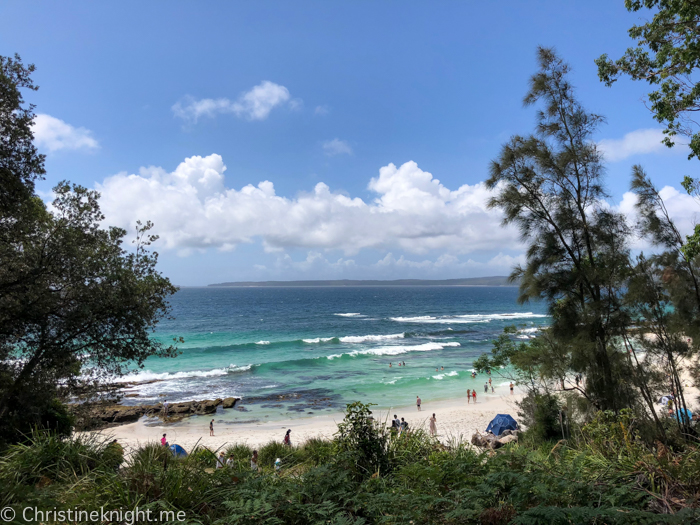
[[539, 413]]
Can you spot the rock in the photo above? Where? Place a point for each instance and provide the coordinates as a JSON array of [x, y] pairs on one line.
[[207, 406], [182, 408], [508, 439], [131, 395], [229, 402]]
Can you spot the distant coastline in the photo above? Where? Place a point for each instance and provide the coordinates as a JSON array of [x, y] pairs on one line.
[[498, 280]]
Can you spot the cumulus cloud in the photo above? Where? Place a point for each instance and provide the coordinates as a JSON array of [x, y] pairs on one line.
[[336, 147], [193, 209], [683, 209], [637, 142], [54, 134], [255, 104], [321, 111]]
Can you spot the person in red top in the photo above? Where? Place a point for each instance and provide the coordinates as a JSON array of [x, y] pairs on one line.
[[474, 395], [163, 441]]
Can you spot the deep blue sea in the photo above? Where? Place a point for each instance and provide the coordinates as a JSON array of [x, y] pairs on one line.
[[295, 352]]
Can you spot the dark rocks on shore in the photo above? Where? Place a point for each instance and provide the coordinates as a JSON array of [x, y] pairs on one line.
[[93, 416]]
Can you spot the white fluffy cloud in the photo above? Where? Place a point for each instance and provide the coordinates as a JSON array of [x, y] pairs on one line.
[[54, 134], [193, 209], [636, 142], [683, 209], [337, 147], [255, 104]]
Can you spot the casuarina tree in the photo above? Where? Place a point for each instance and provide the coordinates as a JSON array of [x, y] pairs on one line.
[[550, 185]]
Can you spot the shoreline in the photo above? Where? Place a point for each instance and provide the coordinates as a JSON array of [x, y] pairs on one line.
[[456, 420]]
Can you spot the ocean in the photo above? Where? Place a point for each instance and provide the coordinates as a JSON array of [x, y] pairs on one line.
[[297, 352]]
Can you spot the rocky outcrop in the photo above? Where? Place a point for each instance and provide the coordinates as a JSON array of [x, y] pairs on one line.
[[492, 442], [107, 414], [229, 402]]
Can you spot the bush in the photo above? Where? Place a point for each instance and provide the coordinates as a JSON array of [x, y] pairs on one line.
[[539, 413], [363, 443]]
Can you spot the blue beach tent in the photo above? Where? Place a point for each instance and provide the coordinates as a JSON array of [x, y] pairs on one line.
[[500, 423], [178, 451]]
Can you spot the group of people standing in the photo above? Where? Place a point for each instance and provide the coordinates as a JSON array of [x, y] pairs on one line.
[[400, 425]]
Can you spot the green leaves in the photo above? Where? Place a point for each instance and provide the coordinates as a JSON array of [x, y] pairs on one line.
[[666, 56]]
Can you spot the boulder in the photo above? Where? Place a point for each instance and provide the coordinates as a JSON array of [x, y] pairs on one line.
[[229, 402], [508, 439], [207, 406]]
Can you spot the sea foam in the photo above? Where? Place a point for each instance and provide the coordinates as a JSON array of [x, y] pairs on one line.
[[466, 319]]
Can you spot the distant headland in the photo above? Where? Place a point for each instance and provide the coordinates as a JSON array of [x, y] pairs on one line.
[[498, 280]]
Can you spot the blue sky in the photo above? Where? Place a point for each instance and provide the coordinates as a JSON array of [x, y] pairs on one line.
[[316, 98]]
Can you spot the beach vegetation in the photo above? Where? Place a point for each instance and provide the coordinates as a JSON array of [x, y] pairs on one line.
[[77, 307]]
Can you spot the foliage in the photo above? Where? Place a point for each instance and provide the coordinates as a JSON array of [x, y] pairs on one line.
[[666, 57], [606, 475], [362, 441], [550, 185], [539, 413], [74, 302]]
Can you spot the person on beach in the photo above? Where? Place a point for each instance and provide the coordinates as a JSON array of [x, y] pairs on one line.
[[211, 427], [404, 426], [492, 390], [221, 460], [489, 381], [486, 388], [469, 395], [418, 403], [474, 395], [433, 425], [230, 462], [287, 438], [511, 388], [165, 408], [395, 423], [164, 441], [254, 461]]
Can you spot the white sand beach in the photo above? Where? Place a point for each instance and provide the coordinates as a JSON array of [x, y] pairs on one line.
[[456, 419]]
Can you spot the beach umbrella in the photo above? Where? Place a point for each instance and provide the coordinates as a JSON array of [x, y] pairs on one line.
[[684, 414], [178, 451], [500, 423]]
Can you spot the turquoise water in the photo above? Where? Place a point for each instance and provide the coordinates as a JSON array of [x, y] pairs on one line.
[[294, 352]]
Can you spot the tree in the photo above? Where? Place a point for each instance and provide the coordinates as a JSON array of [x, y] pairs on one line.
[[74, 303], [667, 57], [550, 185]]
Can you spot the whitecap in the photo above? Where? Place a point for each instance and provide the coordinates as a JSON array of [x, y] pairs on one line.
[[350, 315], [263, 343], [365, 338], [318, 340], [468, 318]]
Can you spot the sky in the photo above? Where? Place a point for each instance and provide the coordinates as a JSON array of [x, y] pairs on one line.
[[319, 140]]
